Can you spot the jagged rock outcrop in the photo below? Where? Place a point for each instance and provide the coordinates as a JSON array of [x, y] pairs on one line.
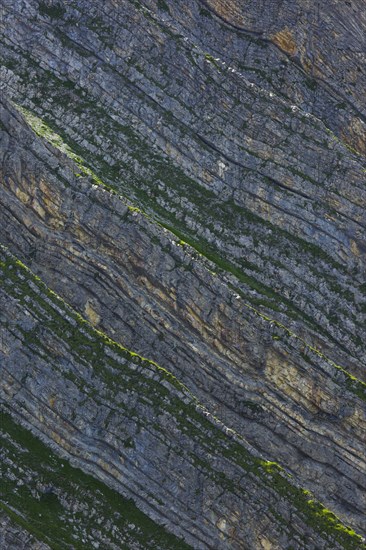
[[242, 271]]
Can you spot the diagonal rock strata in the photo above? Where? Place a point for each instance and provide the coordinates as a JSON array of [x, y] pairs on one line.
[[193, 184], [154, 295], [121, 416]]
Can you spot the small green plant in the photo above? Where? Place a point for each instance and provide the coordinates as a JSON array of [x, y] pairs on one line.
[[163, 6], [212, 60], [311, 83], [205, 12], [55, 11]]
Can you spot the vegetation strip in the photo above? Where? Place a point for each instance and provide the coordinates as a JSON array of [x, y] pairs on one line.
[[267, 473], [51, 518], [42, 129]]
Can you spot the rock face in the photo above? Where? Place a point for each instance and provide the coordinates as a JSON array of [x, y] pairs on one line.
[[138, 429], [189, 182], [327, 41], [13, 536]]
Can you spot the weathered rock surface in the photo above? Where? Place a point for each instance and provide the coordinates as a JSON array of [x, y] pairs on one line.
[[136, 428], [151, 291], [223, 133], [13, 537], [326, 40], [236, 164]]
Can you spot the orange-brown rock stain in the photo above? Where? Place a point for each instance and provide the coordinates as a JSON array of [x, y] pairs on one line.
[[285, 41]]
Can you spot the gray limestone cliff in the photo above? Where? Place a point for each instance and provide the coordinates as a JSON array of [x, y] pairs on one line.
[[183, 182]]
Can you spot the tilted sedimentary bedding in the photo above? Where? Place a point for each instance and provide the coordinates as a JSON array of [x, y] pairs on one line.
[[185, 183]]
